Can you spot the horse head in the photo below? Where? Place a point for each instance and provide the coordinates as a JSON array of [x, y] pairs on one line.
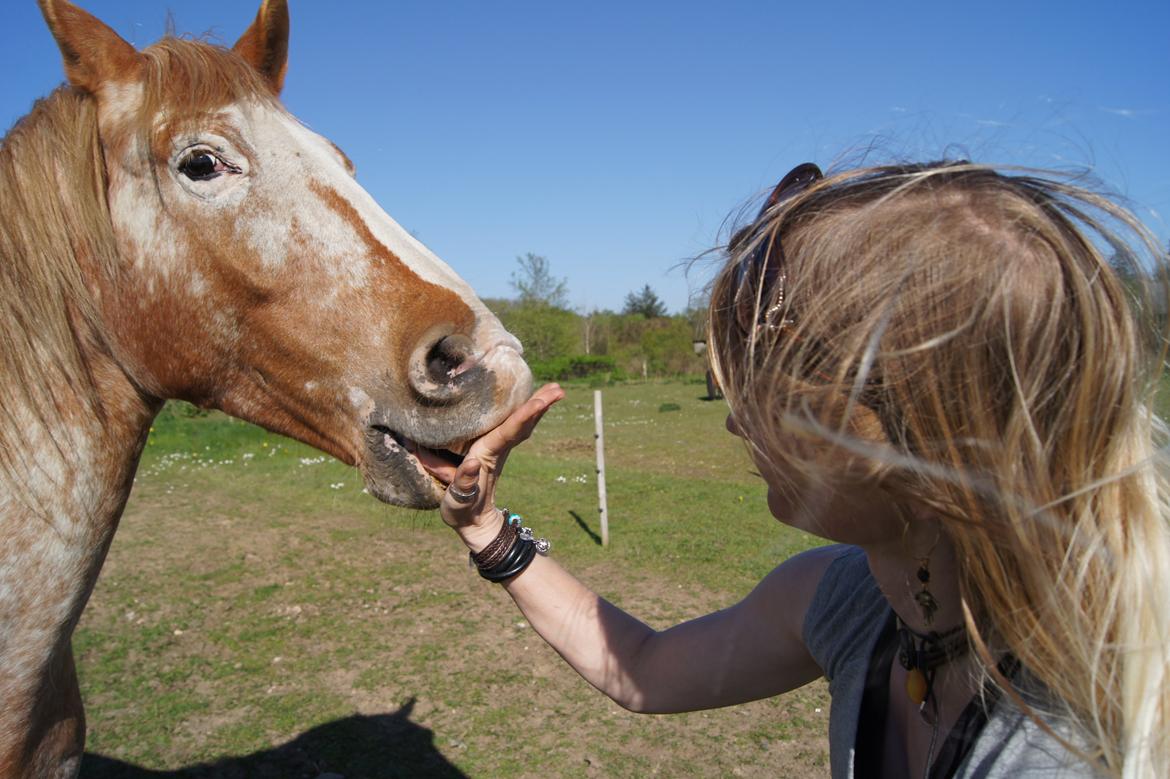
[[255, 275]]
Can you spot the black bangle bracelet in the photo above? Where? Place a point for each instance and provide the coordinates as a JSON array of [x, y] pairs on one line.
[[509, 559], [527, 554]]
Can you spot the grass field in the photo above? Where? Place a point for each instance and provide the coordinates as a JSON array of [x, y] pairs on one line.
[[260, 616]]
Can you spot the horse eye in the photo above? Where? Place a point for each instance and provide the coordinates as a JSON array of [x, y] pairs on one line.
[[201, 166]]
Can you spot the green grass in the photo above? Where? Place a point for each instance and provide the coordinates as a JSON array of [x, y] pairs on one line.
[[260, 614], [678, 485]]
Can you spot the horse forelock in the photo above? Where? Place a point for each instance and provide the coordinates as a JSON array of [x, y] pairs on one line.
[[195, 77]]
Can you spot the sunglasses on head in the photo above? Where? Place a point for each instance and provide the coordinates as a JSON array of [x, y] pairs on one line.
[[760, 272], [757, 286]]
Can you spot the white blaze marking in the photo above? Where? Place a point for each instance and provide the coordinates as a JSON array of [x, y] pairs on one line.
[[421, 260], [417, 257]]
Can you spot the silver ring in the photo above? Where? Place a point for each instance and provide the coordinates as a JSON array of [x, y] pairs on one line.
[[459, 496]]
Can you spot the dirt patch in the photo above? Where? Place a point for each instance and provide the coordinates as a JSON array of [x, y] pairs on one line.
[[568, 447]]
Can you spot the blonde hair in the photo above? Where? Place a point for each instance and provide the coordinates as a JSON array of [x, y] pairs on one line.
[[953, 335]]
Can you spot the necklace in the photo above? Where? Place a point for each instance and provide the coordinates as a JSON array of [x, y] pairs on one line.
[[922, 655]]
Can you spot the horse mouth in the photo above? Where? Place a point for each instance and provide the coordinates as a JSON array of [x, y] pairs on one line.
[[392, 438], [395, 472]]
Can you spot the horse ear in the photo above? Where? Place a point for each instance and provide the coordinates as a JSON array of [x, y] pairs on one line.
[[265, 44], [93, 53]]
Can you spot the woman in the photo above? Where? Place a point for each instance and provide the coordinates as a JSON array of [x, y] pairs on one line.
[[936, 367]]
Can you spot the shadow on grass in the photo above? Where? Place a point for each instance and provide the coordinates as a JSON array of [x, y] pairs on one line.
[[382, 746], [581, 524]]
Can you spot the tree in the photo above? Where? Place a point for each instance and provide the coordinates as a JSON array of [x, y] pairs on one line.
[[535, 284], [545, 331], [666, 345], [589, 326], [646, 303]]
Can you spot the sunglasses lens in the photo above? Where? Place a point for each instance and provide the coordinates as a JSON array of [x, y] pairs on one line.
[[747, 273], [757, 272]]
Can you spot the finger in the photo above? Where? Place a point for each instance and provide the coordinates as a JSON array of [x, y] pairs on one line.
[[551, 392], [519, 425], [490, 448], [546, 396], [467, 475], [463, 491]]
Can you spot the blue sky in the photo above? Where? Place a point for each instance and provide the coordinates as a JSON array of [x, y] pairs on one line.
[[615, 138]]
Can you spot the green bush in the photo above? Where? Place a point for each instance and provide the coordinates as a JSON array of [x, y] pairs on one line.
[[577, 366], [639, 347], [547, 333]]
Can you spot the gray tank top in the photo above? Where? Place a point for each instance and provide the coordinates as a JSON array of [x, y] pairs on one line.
[[842, 626]]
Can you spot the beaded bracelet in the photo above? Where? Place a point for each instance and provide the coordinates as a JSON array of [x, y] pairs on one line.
[[511, 551]]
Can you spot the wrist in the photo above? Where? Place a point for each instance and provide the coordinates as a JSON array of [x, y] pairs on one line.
[[511, 551], [477, 536]]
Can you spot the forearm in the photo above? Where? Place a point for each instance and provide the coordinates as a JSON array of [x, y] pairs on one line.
[[746, 652], [600, 641], [719, 659]]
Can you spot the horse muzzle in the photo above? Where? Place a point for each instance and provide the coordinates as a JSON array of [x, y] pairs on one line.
[[458, 393]]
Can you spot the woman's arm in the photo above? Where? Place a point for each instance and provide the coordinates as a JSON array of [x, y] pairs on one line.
[[748, 651]]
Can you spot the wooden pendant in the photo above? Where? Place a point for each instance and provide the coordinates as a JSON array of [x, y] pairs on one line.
[[916, 685]]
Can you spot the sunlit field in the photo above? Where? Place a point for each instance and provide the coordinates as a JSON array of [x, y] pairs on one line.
[[259, 615]]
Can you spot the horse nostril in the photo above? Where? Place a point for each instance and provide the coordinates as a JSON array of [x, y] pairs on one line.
[[447, 356], [440, 365]]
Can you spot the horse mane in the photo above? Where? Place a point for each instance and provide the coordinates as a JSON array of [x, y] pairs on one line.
[[56, 221], [52, 185]]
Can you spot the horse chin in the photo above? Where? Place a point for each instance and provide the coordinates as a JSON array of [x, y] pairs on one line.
[[393, 473]]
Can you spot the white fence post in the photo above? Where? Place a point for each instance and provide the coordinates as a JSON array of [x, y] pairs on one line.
[[599, 437]]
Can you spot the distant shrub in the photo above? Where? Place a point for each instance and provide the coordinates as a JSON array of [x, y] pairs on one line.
[[669, 407], [548, 333], [579, 366]]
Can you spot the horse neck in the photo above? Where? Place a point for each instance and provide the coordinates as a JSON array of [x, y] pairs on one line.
[[61, 495], [74, 467]]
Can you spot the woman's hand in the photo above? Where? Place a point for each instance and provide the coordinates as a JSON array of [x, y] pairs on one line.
[[477, 521]]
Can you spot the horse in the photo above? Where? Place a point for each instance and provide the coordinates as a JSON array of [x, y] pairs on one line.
[[170, 231]]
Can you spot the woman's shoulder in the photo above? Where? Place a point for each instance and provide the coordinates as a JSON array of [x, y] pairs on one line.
[[846, 609], [845, 583]]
